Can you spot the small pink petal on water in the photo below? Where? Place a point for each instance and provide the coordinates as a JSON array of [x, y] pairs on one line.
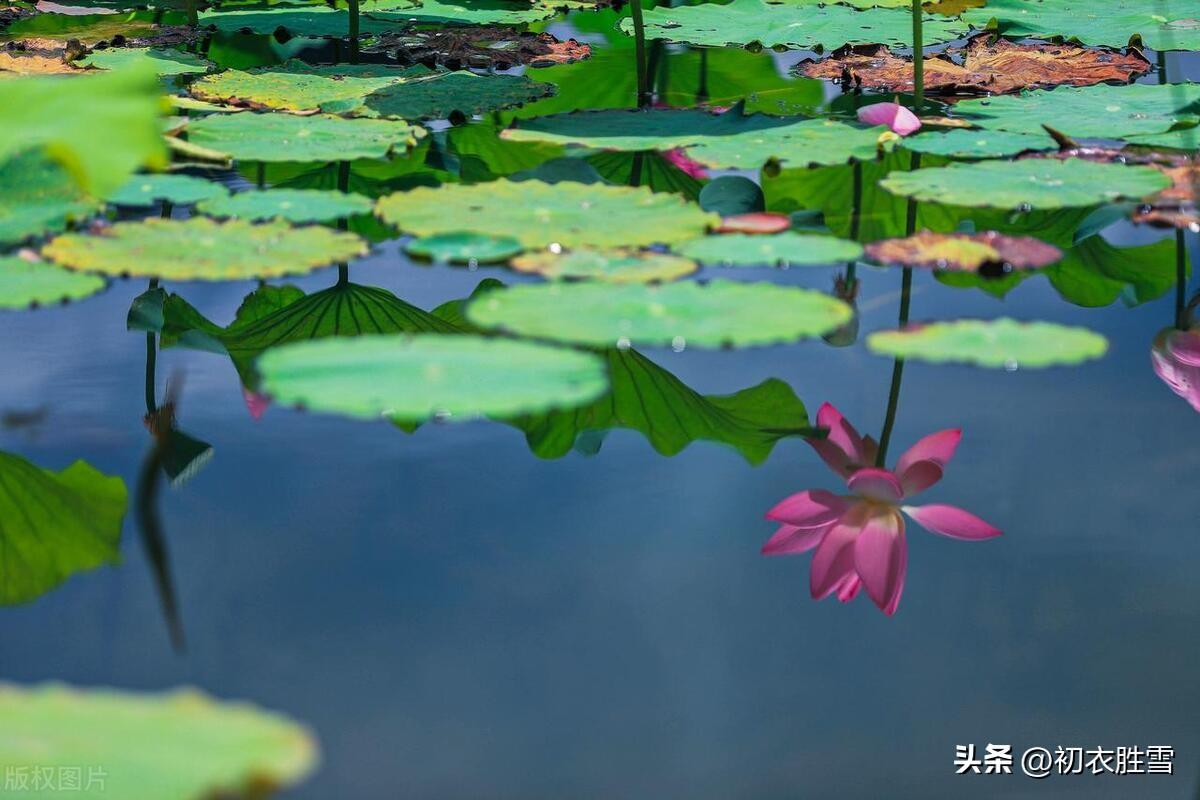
[[876, 483], [755, 222], [898, 118], [679, 159], [256, 403], [809, 509], [880, 559], [951, 521], [789, 540]]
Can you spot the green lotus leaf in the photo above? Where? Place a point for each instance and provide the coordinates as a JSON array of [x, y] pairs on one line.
[[464, 248], [69, 117], [55, 525], [32, 283], [462, 12], [147, 190], [541, 214], [1113, 23], [316, 21], [1095, 273], [203, 249], [677, 314], [800, 24], [89, 29], [293, 205], [1089, 112], [786, 249], [803, 143], [414, 378], [609, 266], [1182, 139], [297, 86], [286, 137], [164, 61], [1001, 342], [966, 143], [37, 195], [175, 746], [1039, 183], [443, 94]]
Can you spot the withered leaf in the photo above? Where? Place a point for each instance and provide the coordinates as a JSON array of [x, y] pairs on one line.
[[1175, 207], [478, 46], [989, 253]]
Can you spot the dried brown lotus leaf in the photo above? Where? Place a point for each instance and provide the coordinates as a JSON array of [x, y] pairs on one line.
[[962, 252]]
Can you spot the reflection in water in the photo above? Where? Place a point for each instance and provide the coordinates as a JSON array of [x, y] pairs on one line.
[[1175, 354]]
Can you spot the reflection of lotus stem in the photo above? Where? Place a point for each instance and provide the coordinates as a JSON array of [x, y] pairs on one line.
[[260, 175], [353, 31], [639, 50], [1181, 314], [918, 58], [151, 358], [855, 214], [889, 420], [702, 87], [193, 17]]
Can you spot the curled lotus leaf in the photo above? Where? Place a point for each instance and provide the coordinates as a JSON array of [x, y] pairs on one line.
[[986, 67], [165, 61], [419, 377], [989, 253], [682, 314], [1001, 342], [800, 24], [34, 283], [464, 248], [287, 137], [203, 249], [293, 205], [1160, 26], [1029, 183], [540, 215], [172, 746], [973, 143], [609, 266], [786, 249], [146, 190]]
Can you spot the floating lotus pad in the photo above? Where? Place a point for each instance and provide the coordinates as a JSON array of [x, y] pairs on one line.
[[297, 86], [414, 378], [59, 523], [286, 137], [965, 252], [146, 190], [801, 24], [38, 196], [991, 343], [30, 283], [467, 12], [464, 248], [967, 143], [1161, 26], [1035, 183], [1090, 112], [203, 249], [1182, 139], [173, 746], [293, 205], [89, 29], [445, 94], [164, 61], [786, 249], [540, 214], [679, 314], [609, 266], [316, 22]]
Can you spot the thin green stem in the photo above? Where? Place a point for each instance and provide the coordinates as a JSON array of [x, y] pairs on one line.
[[889, 420], [1181, 315], [918, 57], [260, 175], [193, 14], [151, 360], [353, 32], [855, 217], [639, 52], [1162, 67]]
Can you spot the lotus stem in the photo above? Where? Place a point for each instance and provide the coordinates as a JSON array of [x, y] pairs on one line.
[[918, 58], [193, 16], [353, 31], [889, 420], [260, 175], [639, 51], [1181, 312], [151, 359]]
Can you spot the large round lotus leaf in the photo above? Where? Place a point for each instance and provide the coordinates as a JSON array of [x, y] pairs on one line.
[[678, 314], [89, 29], [287, 137], [991, 343], [146, 190], [443, 94], [968, 143], [1089, 112], [776, 250], [316, 21], [414, 378], [26, 283], [464, 12], [610, 266], [988, 252], [802, 24], [296, 86], [55, 525], [293, 205], [203, 249], [1182, 139], [1168, 25], [176, 746], [37, 196], [464, 248], [540, 215], [807, 143], [1030, 183], [165, 61]]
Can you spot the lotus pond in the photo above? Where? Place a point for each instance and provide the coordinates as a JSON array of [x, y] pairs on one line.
[[393, 392]]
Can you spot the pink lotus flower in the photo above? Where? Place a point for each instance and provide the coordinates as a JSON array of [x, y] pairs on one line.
[[895, 116], [256, 403], [1175, 356], [859, 539], [679, 159]]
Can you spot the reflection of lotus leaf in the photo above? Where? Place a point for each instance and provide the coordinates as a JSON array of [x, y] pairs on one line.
[[610, 266], [540, 214], [202, 249], [774, 250], [414, 378], [966, 143], [164, 61], [55, 524], [26, 283], [37, 196], [296, 86], [1096, 22], [293, 205], [802, 24], [173, 746], [1028, 183], [678, 314], [992, 343], [286, 137], [146, 190]]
